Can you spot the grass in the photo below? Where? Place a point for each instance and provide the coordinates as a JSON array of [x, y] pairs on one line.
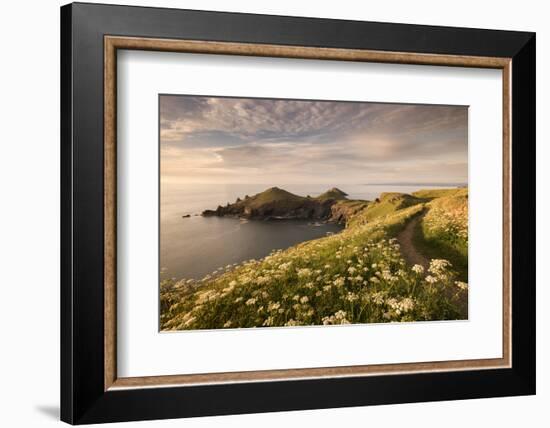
[[333, 193], [356, 276], [387, 204], [443, 231], [273, 195], [439, 193], [284, 198]]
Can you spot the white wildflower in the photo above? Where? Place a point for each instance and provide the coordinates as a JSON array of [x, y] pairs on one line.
[[261, 280], [439, 266], [461, 285], [351, 297], [419, 269], [339, 282], [273, 306], [430, 279], [285, 266], [338, 318]]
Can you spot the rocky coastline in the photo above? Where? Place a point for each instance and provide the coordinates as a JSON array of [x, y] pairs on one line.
[[278, 204]]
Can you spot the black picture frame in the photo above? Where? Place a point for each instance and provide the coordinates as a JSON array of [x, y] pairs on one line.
[[83, 398]]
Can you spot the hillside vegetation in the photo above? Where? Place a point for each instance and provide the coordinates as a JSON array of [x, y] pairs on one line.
[[443, 231], [276, 203], [386, 204], [356, 276]]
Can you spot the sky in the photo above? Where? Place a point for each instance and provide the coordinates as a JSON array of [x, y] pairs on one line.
[[278, 141]]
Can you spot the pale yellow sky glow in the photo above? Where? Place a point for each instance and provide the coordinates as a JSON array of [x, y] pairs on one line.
[[244, 140]]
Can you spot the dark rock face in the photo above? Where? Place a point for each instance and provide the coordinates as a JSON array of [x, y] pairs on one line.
[[217, 212], [342, 211]]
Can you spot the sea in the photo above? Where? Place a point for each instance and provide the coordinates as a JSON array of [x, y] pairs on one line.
[[192, 247]]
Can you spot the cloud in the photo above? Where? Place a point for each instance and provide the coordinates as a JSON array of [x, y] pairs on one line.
[[213, 138]]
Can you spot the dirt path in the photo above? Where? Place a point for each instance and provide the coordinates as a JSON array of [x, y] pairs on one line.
[[413, 257], [408, 250]]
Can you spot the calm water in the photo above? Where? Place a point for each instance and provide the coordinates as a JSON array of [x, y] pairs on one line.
[[193, 247]]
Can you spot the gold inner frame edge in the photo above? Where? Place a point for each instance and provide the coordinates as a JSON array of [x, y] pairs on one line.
[[113, 43]]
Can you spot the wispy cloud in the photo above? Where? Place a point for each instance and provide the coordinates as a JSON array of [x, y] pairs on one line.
[[214, 139]]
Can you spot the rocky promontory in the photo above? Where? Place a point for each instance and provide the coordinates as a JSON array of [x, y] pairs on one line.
[[279, 204]]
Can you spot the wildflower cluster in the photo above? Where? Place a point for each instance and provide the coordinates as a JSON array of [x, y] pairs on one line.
[[447, 220], [356, 276]]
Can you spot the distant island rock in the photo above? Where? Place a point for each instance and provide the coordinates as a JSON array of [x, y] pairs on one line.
[[279, 204]]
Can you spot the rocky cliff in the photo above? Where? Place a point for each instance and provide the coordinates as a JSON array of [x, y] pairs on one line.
[[343, 210]]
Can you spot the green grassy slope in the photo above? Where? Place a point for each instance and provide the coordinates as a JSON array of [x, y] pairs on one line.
[[386, 204], [443, 231], [272, 195], [333, 193], [356, 276], [439, 193]]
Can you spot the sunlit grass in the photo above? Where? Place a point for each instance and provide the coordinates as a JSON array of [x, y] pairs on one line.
[[443, 231], [355, 276]]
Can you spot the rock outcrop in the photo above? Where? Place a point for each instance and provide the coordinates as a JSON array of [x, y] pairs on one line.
[[278, 204], [343, 210]]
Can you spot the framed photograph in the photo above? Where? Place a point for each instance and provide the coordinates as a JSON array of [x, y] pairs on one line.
[[266, 213]]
